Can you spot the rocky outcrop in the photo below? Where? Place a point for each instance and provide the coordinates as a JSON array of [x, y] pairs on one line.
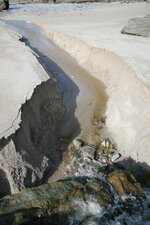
[[50, 203], [4, 4], [74, 199], [94, 193], [125, 184], [138, 26]]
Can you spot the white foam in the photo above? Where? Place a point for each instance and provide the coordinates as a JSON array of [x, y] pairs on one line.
[[85, 209]]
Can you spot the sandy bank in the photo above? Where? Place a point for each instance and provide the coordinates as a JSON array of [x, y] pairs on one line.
[[91, 34], [128, 103], [30, 109], [20, 74], [93, 38]]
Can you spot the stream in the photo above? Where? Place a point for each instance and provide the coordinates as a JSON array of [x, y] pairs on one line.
[[85, 99], [83, 95]]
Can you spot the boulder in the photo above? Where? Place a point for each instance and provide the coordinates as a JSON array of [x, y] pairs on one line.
[[49, 203], [73, 199], [125, 184], [106, 145], [102, 157], [88, 151], [4, 4], [77, 143], [138, 26], [115, 157]]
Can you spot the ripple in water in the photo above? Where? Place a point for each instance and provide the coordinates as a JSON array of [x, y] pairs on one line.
[[91, 213]]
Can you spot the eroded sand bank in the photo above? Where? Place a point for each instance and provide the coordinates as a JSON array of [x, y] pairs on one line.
[[31, 108], [83, 95], [128, 104]]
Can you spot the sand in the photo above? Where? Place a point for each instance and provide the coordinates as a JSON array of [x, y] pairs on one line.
[[91, 34], [20, 74], [30, 110]]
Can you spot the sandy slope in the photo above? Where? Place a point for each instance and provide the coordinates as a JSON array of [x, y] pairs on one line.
[[20, 74], [125, 72], [30, 110]]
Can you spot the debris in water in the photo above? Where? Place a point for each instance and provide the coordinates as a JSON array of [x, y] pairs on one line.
[[77, 143], [106, 143], [115, 157], [88, 151]]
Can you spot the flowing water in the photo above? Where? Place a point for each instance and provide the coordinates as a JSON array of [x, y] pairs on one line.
[[127, 210], [90, 212], [84, 99], [83, 95]]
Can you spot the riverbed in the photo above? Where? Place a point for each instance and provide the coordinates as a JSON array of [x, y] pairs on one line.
[[93, 82], [83, 95], [91, 34]]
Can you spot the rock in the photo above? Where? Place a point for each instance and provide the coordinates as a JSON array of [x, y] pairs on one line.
[[95, 122], [102, 157], [54, 203], [103, 144], [103, 119], [93, 146], [102, 191], [104, 154], [115, 157], [114, 146], [4, 5], [88, 151], [106, 146], [72, 199], [77, 143], [106, 143], [125, 184], [104, 160], [138, 26], [31, 204]]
